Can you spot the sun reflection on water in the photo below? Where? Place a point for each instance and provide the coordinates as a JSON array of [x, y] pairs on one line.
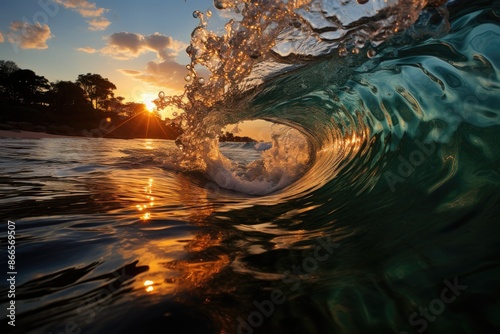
[[150, 202], [149, 145], [177, 261], [149, 285]]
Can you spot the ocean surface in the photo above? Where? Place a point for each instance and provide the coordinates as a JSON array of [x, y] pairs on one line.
[[373, 209]]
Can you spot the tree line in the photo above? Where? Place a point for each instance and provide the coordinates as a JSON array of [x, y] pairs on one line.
[[69, 106]]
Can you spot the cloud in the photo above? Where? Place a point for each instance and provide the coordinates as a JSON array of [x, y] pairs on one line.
[[88, 10], [164, 72], [87, 49], [98, 23], [2, 39], [29, 36], [167, 74], [126, 45], [130, 72]]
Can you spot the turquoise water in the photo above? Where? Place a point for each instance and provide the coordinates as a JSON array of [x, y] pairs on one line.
[[377, 213]]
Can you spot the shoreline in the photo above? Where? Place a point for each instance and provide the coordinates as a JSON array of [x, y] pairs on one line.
[[22, 134], [6, 134]]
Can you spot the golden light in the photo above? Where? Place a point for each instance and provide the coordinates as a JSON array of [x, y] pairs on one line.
[[149, 285], [148, 189], [148, 99]]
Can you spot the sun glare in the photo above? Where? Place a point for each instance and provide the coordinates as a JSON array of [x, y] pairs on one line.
[[148, 99]]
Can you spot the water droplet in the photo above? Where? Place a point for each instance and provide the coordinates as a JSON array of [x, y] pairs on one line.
[[188, 67], [196, 14], [371, 53], [189, 49], [343, 52], [360, 43], [188, 78], [362, 2], [201, 81], [355, 51], [161, 95], [175, 114], [219, 4], [209, 13]]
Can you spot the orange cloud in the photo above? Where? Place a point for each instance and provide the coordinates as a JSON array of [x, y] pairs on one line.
[[1, 38], [130, 72], [29, 36], [88, 10], [87, 50], [167, 74], [98, 23], [164, 74], [126, 45]]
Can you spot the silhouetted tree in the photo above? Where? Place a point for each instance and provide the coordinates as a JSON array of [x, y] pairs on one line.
[[229, 136], [7, 67], [67, 96], [114, 104], [26, 87], [132, 109], [97, 88]]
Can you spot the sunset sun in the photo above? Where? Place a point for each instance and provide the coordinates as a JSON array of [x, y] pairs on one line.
[[148, 99]]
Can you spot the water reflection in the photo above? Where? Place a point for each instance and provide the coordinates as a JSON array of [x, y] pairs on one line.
[[148, 189], [177, 261]]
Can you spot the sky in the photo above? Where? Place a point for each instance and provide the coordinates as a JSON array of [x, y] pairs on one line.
[[138, 45]]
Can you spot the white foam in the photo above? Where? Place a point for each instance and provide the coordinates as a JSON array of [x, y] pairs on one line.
[[283, 162], [263, 146]]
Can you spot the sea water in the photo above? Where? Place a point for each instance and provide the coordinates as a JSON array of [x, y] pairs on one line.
[[374, 209]]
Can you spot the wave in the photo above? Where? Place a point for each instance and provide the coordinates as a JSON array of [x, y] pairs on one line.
[[258, 146], [383, 85]]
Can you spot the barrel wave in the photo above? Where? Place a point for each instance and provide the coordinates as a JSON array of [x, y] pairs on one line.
[[393, 156], [365, 122]]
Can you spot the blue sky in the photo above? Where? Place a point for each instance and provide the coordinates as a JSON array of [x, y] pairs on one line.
[[137, 45]]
